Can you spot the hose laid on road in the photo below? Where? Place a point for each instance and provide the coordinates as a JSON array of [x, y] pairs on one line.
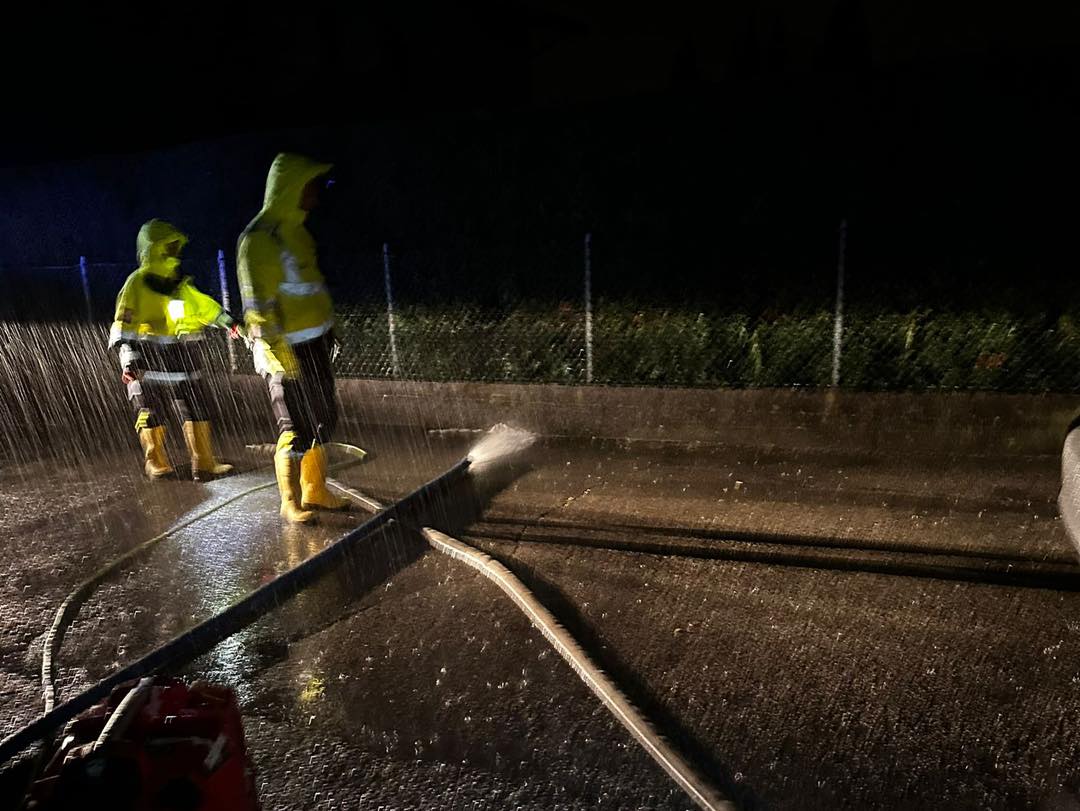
[[697, 787], [500, 444], [204, 636], [68, 609], [172, 652]]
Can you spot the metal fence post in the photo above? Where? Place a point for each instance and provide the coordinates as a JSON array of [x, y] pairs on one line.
[[588, 309], [390, 311], [225, 304], [838, 321], [86, 288]]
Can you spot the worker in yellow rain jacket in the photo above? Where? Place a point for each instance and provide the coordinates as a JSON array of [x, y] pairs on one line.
[[159, 313], [290, 321]]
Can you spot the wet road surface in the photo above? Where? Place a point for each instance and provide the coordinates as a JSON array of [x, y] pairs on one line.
[[404, 680]]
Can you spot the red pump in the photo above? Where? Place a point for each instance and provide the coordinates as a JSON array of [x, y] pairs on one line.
[[153, 745]]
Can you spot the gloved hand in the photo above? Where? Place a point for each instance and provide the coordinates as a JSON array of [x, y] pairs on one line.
[[237, 331], [130, 375]]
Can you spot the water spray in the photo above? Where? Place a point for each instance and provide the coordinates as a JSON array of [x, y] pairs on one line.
[[497, 447]]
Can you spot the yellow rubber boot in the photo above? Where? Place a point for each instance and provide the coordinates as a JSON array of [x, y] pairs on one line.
[[153, 444], [203, 463], [287, 467], [313, 483]]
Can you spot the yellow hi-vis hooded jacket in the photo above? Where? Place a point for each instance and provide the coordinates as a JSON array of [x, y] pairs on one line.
[[285, 297], [156, 305]]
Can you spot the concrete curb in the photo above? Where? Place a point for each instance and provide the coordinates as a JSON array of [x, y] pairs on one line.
[[933, 423]]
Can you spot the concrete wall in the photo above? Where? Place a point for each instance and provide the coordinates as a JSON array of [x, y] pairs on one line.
[[924, 423], [85, 413]]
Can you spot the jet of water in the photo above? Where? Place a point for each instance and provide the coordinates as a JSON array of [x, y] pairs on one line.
[[498, 445]]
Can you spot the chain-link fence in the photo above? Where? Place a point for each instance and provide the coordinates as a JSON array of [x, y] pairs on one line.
[[817, 332], [638, 345]]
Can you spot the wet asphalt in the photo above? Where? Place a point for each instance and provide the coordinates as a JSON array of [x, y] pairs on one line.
[[404, 680]]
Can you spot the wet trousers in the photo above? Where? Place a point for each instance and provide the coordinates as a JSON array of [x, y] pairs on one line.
[[306, 404], [168, 375]]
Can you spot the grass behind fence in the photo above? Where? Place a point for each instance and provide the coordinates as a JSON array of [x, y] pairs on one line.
[[638, 345]]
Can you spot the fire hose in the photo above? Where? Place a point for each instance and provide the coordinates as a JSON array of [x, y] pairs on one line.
[[203, 637], [67, 611], [696, 786], [408, 511]]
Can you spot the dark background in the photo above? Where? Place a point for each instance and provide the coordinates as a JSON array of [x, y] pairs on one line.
[[712, 152]]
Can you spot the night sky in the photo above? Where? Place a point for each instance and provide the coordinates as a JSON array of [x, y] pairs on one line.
[[486, 137], [109, 78]]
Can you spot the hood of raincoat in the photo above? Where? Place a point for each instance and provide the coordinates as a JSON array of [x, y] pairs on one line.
[[151, 242], [289, 174]]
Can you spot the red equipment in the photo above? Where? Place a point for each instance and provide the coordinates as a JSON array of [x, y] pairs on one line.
[[155, 745]]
